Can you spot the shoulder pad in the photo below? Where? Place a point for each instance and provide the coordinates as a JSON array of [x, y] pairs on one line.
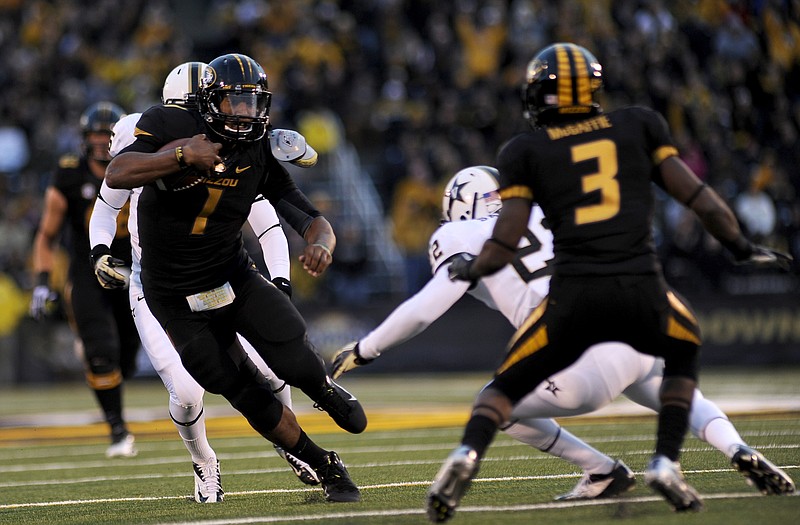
[[69, 161], [290, 146]]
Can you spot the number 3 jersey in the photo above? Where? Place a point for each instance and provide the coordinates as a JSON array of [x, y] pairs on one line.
[[520, 286], [598, 202]]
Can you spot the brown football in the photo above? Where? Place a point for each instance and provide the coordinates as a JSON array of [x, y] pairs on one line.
[[182, 180]]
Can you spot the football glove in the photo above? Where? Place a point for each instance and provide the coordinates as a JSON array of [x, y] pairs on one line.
[[41, 299], [283, 285], [111, 273], [459, 269], [346, 359], [764, 257]]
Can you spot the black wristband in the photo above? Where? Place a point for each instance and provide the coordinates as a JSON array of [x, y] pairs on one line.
[[43, 279], [283, 285], [98, 251], [179, 156]]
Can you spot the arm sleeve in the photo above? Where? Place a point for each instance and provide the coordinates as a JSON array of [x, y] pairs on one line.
[[290, 203], [297, 210], [274, 246], [414, 315], [103, 222]]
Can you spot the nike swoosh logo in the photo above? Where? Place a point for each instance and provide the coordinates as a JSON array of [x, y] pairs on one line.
[[140, 298], [239, 170]]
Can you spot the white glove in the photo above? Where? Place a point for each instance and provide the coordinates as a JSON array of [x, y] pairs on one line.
[[42, 295]]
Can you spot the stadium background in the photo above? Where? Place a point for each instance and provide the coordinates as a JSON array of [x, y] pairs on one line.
[[396, 96]]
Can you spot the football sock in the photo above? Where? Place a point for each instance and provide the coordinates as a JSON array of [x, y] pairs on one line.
[[723, 436], [577, 452], [547, 436], [479, 433], [191, 425], [110, 401], [673, 421], [307, 450]]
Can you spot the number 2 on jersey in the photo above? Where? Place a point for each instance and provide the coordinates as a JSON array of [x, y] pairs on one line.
[[605, 151]]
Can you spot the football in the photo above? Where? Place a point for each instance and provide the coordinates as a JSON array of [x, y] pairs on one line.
[[182, 180]]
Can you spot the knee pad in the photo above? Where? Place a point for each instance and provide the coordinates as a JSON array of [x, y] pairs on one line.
[[102, 374], [256, 402]]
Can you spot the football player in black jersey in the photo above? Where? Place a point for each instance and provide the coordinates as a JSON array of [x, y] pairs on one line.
[[591, 173], [101, 317], [201, 284]]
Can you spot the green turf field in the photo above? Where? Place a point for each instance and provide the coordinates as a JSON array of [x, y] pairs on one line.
[[54, 472]]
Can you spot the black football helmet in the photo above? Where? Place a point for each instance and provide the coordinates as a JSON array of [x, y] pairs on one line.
[[99, 118], [234, 98], [561, 83]]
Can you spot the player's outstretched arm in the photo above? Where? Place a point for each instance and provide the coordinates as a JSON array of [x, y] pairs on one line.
[[500, 248], [716, 216], [409, 319]]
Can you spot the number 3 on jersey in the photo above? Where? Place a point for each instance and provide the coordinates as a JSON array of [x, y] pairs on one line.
[[605, 151]]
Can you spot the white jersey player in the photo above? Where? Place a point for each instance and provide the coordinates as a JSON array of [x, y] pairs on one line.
[[185, 394], [604, 371]]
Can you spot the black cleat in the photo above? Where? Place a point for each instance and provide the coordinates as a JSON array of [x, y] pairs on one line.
[[760, 472], [343, 407], [335, 480], [301, 469]]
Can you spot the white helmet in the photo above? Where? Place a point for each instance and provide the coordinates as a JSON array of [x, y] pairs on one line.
[[182, 83], [471, 194]]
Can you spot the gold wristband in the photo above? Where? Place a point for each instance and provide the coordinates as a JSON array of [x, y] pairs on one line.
[[179, 156]]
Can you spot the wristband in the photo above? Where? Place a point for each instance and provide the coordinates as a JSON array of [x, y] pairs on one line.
[[44, 278], [180, 157], [328, 250]]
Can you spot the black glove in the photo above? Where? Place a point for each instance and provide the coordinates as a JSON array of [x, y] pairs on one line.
[[111, 273], [460, 268], [346, 359], [764, 257], [283, 285]]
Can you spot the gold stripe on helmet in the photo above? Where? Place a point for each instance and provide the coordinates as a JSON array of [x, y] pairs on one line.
[[582, 85], [241, 65], [564, 78]]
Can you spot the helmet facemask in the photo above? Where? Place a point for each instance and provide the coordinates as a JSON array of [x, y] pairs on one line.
[[239, 115], [234, 99]]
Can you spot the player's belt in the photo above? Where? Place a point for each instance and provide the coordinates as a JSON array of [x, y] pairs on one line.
[[211, 299]]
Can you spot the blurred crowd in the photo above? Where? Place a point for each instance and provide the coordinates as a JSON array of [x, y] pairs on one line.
[[423, 88]]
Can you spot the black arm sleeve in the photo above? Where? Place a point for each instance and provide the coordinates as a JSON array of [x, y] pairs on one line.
[[297, 210]]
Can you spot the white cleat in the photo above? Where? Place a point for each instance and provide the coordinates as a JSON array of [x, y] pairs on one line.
[[595, 486], [207, 482], [451, 483], [124, 448], [665, 477]]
